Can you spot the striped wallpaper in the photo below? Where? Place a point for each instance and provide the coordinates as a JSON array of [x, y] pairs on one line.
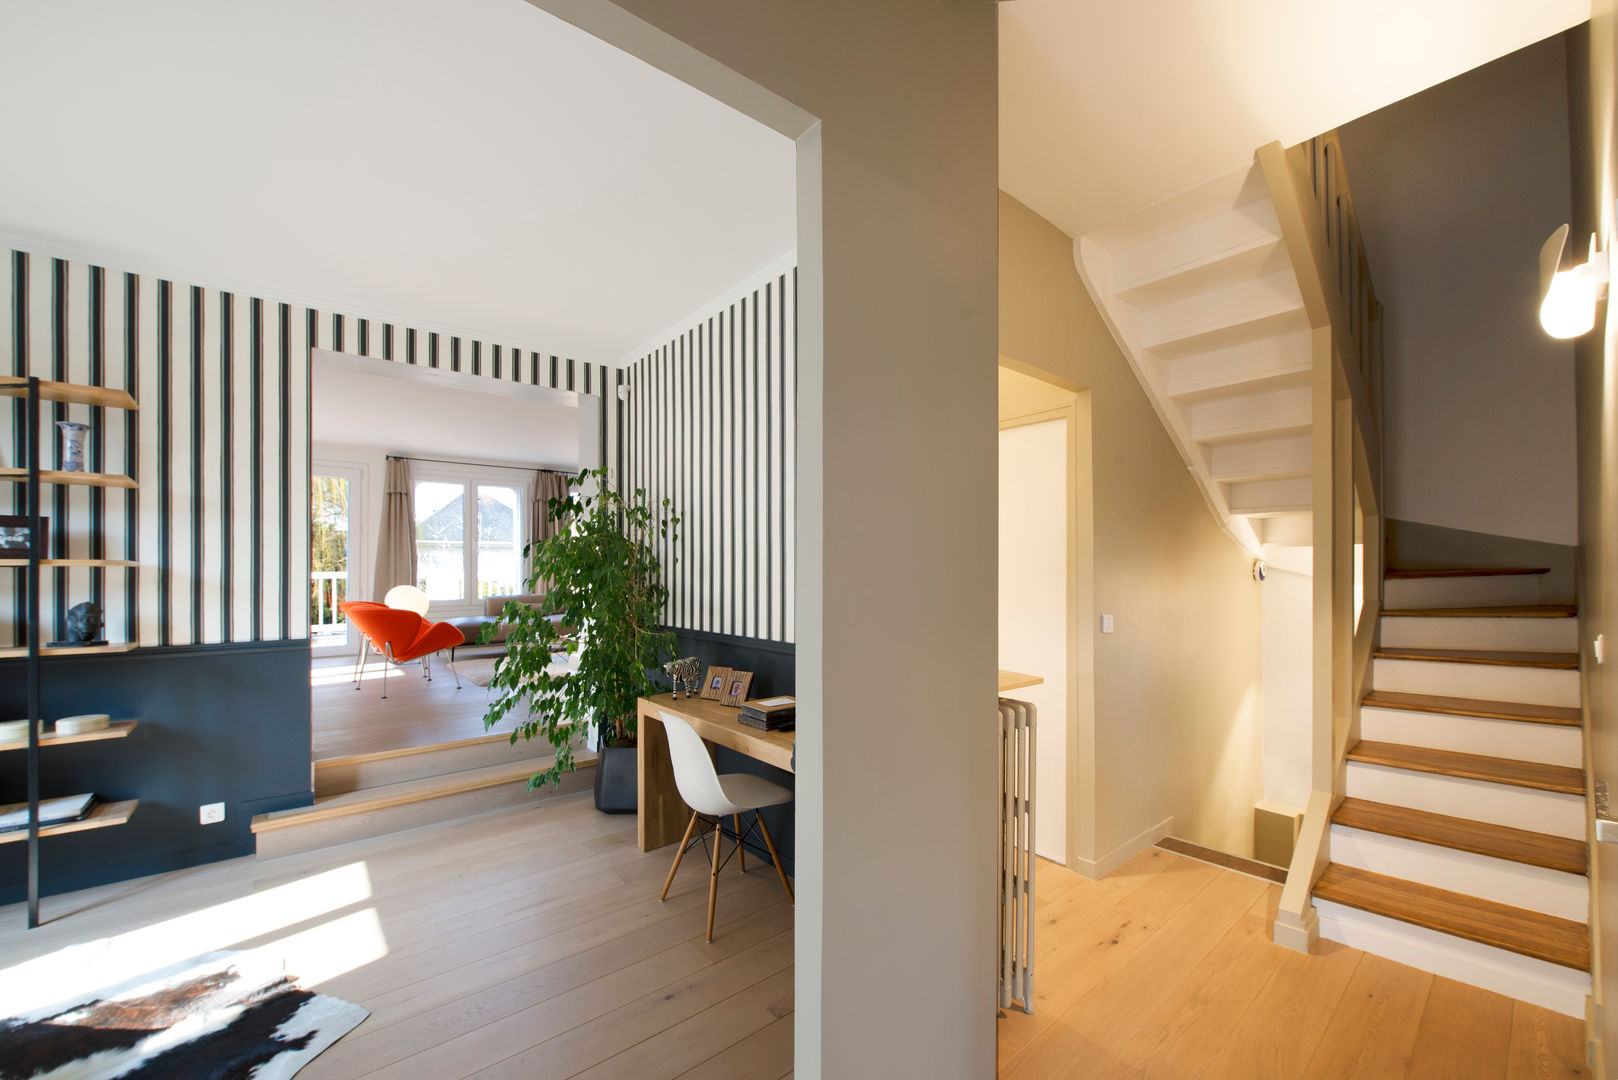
[[220, 445], [713, 427]]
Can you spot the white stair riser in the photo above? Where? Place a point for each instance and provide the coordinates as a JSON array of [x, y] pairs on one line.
[[1552, 892], [1520, 741], [1144, 274], [1550, 986], [1260, 458], [1460, 591], [1477, 800], [1488, 682], [1272, 410], [1526, 635], [1221, 307]]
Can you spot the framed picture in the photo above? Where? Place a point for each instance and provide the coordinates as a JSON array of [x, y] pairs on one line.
[[14, 537], [736, 686], [714, 684]]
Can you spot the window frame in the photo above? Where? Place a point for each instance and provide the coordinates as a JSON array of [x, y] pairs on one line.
[[469, 477]]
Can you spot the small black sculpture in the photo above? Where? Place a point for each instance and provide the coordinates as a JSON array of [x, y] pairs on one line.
[[83, 623]]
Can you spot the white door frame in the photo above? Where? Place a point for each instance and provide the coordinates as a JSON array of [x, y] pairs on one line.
[[357, 473]]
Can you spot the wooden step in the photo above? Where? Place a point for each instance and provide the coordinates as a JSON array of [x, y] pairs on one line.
[[1488, 710], [1527, 933], [1528, 774], [358, 772], [1502, 611], [1554, 660], [1496, 841], [1399, 573], [375, 811]]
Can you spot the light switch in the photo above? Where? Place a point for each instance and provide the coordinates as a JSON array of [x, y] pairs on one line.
[[1106, 624]]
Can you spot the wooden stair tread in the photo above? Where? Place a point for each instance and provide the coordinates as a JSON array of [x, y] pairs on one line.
[[1461, 834], [369, 800], [1528, 774], [1490, 710], [1394, 573], [1504, 611], [1556, 660], [1528, 933]]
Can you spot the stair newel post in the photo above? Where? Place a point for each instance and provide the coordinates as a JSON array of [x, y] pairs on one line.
[[34, 712]]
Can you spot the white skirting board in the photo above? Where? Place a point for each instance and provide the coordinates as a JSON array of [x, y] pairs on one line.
[[1095, 869], [1524, 978]]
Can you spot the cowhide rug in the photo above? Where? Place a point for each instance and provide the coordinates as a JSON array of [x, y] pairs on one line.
[[219, 1017]]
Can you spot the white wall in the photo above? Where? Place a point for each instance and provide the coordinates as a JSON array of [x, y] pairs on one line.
[[1033, 605], [1288, 603], [1457, 188], [893, 109]]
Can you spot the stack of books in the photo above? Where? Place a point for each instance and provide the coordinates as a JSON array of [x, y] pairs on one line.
[[770, 714]]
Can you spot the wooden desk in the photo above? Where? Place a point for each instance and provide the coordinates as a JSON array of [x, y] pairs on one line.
[[1016, 680], [663, 815]]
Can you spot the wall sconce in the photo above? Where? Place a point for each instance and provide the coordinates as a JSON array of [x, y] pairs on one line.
[[1567, 298]]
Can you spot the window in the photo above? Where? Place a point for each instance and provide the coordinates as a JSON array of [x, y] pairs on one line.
[[469, 536], [497, 570], [441, 540]]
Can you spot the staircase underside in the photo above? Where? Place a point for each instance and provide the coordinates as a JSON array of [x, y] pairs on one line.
[[1210, 316]]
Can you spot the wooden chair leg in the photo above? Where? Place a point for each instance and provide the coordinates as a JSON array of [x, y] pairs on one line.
[[769, 843], [678, 855], [713, 879], [741, 854]]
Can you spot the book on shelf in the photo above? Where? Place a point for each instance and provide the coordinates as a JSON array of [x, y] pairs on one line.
[[51, 812]]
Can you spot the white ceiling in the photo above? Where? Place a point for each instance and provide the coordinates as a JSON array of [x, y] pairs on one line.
[[434, 413], [475, 165], [1108, 107]]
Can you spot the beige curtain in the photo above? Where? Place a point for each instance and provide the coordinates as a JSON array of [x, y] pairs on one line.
[[396, 539], [547, 486]]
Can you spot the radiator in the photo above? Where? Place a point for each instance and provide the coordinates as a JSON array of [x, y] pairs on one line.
[[1018, 721]]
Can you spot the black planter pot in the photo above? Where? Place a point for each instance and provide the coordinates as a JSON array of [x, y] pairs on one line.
[[616, 780]]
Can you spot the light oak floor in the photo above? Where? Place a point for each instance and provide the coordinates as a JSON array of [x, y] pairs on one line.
[[416, 712], [523, 944], [1165, 969]]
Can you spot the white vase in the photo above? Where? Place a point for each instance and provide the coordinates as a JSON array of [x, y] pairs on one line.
[[74, 435]]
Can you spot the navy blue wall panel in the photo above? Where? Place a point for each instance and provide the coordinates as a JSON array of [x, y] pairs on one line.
[[218, 723]]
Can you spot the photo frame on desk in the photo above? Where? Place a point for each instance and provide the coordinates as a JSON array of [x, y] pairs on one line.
[[715, 683], [737, 683]]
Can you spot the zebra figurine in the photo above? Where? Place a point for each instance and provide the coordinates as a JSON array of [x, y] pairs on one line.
[[687, 670]]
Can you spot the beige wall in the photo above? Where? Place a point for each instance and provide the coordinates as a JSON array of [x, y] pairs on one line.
[[1177, 684], [1592, 94], [893, 109], [1456, 189]]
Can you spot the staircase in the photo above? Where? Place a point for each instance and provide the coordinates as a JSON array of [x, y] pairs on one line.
[[1200, 293], [373, 794], [1460, 846]]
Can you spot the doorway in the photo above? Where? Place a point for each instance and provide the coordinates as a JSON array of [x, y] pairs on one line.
[[336, 550], [1045, 601]]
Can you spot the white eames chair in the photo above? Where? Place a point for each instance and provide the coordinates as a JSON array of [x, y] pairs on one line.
[[714, 796]]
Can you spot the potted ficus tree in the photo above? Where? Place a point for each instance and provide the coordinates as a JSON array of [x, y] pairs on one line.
[[603, 603]]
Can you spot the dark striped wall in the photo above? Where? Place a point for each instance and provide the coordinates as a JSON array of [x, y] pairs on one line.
[[712, 426], [220, 444]]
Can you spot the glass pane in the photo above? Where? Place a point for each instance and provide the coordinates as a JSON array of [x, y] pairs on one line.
[[498, 548], [440, 540], [328, 557]]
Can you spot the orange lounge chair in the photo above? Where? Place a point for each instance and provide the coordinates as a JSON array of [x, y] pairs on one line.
[[400, 636]]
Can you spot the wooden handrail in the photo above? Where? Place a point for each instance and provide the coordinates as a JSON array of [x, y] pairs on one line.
[[1308, 184]]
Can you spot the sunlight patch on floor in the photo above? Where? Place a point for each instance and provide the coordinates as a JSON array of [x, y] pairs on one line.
[[315, 954]]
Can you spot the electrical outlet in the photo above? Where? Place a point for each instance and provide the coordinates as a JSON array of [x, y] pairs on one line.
[[211, 814]]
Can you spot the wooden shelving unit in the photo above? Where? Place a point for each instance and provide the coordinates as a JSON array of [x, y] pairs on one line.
[[118, 729], [33, 479], [70, 650], [101, 816], [78, 479]]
